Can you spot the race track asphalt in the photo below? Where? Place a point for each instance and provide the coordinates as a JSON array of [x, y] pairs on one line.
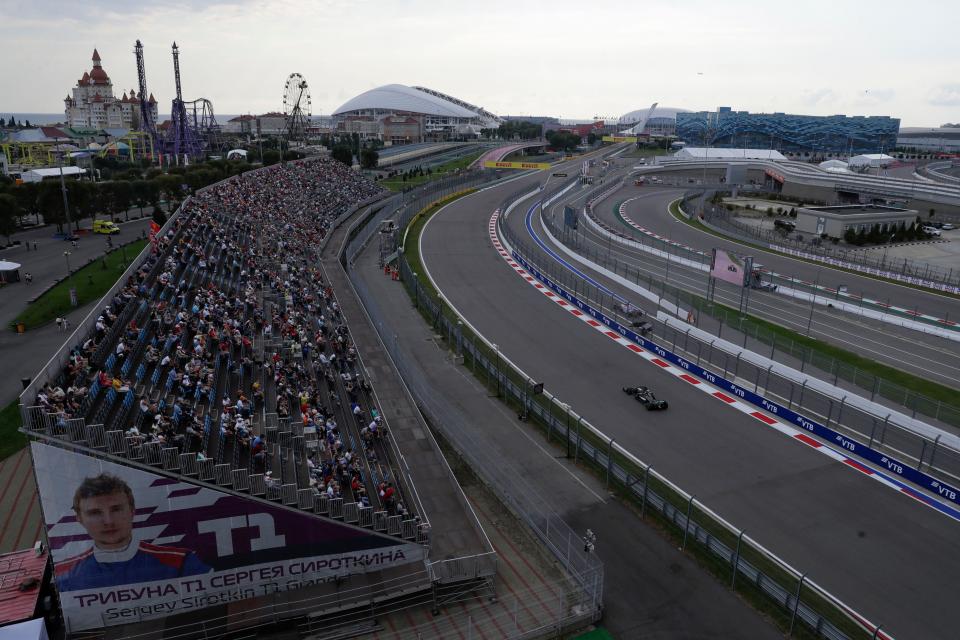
[[925, 355], [892, 559]]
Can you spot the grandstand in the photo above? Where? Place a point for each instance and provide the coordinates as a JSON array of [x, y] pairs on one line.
[[221, 383]]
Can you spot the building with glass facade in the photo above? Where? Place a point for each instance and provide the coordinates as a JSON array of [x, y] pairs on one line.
[[789, 133]]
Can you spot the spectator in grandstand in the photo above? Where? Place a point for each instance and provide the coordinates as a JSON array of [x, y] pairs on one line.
[[104, 507]]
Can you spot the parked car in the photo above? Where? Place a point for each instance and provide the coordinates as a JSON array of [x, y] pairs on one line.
[[948, 227], [106, 227], [933, 231]]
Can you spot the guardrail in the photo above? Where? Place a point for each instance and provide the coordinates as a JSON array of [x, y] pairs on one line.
[[921, 274], [749, 566], [897, 442], [741, 559], [507, 483]]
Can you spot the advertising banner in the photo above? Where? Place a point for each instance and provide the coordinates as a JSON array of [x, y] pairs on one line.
[[154, 230], [619, 138], [129, 545], [727, 267], [893, 466], [489, 164]]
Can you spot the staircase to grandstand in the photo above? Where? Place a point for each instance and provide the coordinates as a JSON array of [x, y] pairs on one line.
[[156, 319]]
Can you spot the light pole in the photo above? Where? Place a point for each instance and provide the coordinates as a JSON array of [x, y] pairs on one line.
[[813, 297], [497, 351], [63, 190], [73, 291]]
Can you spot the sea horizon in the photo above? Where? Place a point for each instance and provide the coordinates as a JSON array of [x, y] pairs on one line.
[[46, 119]]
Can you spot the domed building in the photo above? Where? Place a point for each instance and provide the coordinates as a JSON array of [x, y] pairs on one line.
[[94, 105], [661, 122], [398, 114]]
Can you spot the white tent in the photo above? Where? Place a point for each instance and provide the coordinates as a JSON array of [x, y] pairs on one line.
[[835, 166], [236, 154], [36, 175], [871, 160]]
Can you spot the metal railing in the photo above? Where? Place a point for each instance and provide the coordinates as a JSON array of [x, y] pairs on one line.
[[725, 222], [829, 366], [887, 431], [507, 482], [744, 561]]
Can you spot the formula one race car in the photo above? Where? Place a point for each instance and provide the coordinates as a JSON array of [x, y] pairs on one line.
[[644, 395]]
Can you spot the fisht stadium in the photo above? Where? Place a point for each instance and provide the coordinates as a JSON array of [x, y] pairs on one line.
[[398, 114], [652, 121]]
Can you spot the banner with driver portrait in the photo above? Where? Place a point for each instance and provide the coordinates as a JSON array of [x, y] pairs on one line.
[[130, 545]]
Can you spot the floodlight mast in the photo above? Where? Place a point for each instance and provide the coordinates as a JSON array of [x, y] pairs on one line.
[[147, 125]]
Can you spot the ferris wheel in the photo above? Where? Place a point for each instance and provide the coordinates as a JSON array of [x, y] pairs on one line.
[[297, 106]]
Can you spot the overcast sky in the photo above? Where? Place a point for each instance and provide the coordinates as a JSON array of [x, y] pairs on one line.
[[567, 59]]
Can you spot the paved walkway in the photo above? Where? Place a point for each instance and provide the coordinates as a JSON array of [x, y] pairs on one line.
[[23, 355], [453, 528]]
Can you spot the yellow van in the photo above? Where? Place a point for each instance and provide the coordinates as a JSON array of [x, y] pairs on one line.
[[105, 226]]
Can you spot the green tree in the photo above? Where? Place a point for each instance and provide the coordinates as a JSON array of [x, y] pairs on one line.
[[27, 195], [850, 236], [9, 213], [369, 159], [563, 140], [592, 139], [141, 194], [170, 189], [342, 153], [50, 204], [122, 197], [271, 156], [84, 200], [519, 129]]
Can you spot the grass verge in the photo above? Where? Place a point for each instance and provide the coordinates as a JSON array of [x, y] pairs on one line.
[[11, 440], [674, 209], [91, 282], [811, 349], [399, 184], [552, 419]]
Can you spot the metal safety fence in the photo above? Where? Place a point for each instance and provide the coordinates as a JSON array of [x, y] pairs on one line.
[[508, 483], [878, 428], [724, 220], [877, 386], [750, 568]]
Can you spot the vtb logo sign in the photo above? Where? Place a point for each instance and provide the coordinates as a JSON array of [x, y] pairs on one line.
[[223, 528]]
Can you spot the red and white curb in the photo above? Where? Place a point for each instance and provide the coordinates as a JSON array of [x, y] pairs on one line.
[[722, 397]]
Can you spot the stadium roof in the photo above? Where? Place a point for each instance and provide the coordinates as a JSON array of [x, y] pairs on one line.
[[398, 97], [699, 153], [659, 112]]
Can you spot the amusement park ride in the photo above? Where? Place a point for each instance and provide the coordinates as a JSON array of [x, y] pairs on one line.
[[193, 130], [297, 107], [191, 134]]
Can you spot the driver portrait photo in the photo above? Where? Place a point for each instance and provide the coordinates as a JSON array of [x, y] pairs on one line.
[[104, 506]]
